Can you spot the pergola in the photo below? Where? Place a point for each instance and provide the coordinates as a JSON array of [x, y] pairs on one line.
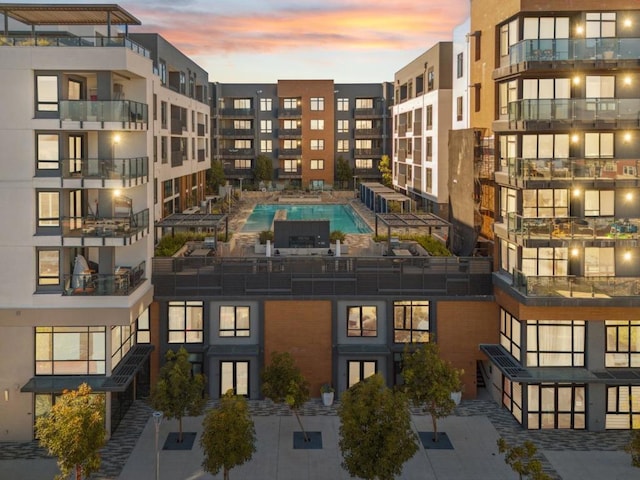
[[201, 221], [410, 220], [377, 197]]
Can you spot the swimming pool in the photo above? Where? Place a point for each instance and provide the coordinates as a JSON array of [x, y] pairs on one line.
[[341, 217]]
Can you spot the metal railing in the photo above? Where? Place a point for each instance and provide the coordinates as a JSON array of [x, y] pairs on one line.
[[97, 284], [101, 168], [572, 168], [48, 40], [570, 228], [572, 286], [549, 50], [99, 227], [125, 111], [571, 109]]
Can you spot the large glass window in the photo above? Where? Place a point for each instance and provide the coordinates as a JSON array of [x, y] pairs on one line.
[[512, 398], [545, 203], [343, 104], [545, 28], [123, 338], [317, 124], [48, 151], [185, 322], [555, 343], [411, 321], [364, 103], [317, 103], [343, 145], [234, 321], [364, 163], [234, 376], [556, 406], [343, 126], [599, 261], [623, 343], [601, 25], [143, 328], [48, 209], [360, 369], [545, 261], [266, 104], [241, 103], [48, 267], [290, 103], [266, 146], [47, 93], [242, 124], [266, 126], [623, 407], [510, 333], [317, 144], [362, 321], [316, 164], [598, 145], [599, 203], [70, 350]]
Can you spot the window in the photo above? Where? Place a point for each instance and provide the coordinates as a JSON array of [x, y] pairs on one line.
[[164, 149], [598, 145], [266, 146], [290, 103], [317, 124], [431, 79], [508, 256], [623, 407], [317, 164], [598, 203], [623, 343], [48, 267], [600, 25], [317, 103], [266, 104], [545, 261], [429, 114], [242, 144], [360, 369], [242, 164], [162, 71], [343, 104], [234, 376], [317, 144], [343, 145], [364, 163], [47, 93], [123, 338], [362, 321], [365, 145], [48, 145], [289, 144], [364, 103], [242, 124], [364, 124], [555, 343], [290, 166], [70, 350], [545, 146], [429, 148], [289, 124], [600, 86], [599, 261], [234, 321], [510, 333], [343, 126], [48, 209], [241, 103], [428, 179], [459, 108], [143, 328], [545, 28], [411, 321], [556, 406], [508, 37], [507, 93], [266, 126], [512, 398], [185, 322], [545, 203], [460, 65]]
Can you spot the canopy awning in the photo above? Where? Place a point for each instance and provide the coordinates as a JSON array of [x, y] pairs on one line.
[[68, 14]]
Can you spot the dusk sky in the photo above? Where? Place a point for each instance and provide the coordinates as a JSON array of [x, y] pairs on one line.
[[349, 41]]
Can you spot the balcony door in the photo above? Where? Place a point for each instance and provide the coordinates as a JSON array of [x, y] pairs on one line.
[[76, 153], [75, 209]]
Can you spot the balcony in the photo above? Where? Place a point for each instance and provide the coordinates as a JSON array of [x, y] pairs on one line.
[[290, 172], [237, 132], [237, 112], [230, 172], [571, 286], [127, 114], [564, 112], [113, 231], [47, 40], [368, 112], [236, 152], [372, 172], [290, 112], [127, 171], [290, 152], [520, 172], [290, 132], [523, 229], [122, 283], [368, 152], [368, 132]]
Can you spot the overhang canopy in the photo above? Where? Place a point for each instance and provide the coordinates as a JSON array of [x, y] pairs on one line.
[[68, 14]]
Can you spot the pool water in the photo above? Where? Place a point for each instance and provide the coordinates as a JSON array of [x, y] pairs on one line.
[[341, 217]]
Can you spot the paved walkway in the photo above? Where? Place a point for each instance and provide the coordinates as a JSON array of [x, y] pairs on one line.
[[473, 430]]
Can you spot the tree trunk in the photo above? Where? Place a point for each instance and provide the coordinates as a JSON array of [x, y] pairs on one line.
[[304, 433], [78, 472], [225, 472], [434, 420]]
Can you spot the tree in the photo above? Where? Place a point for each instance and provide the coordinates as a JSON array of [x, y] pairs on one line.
[[429, 381], [215, 176], [344, 173], [633, 448], [375, 430], [521, 459], [73, 431], [229, 436], [384, 167], [283, 382], [178, 392], [263, 171]]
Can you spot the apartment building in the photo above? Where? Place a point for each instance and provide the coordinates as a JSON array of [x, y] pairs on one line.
[[421, 124], [556, 86], [80, 133], [302, 127]]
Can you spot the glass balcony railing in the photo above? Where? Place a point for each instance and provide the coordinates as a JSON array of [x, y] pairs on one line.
[[563, 49], [122, 282], [572, 109], [290, 172], [100, 227], [40, 40], [112, 168], [572, 228], [125, 111], [572, 286], [571, 168]]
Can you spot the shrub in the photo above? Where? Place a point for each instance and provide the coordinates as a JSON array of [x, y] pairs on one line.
[[337, 235], [264, 236]]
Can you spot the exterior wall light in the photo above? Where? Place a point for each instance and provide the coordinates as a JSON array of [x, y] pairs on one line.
[[627, 255], [575, 138], [576, 192], [579, 29], [575, 252], [629, 196], [627, 137], [576, 80], [627, 80], [627, 23]]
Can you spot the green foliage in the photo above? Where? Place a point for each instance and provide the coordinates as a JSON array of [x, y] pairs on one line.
[[430, 244], [633, 448], [337, 235], [326, 388], [344, 173], [376, 438], [264, 236], [170, 244], [521, 459], [384, 167], [73, 431], [283, 382], [215, 176], [263, 171], [429, 381], [178, 392], [228, 437]]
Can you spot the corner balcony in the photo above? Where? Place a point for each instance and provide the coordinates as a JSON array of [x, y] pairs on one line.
[[572, 286], [98, 172], [103, 114], [48, 40], [122, 282], [105, 231]]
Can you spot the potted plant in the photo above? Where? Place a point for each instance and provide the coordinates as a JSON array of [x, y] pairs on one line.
[[327, 392]]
